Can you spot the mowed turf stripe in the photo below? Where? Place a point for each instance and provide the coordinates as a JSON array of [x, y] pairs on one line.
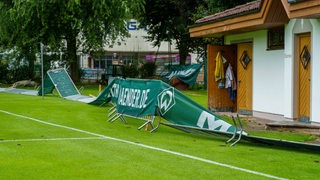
[[146, 146], [50, 139]]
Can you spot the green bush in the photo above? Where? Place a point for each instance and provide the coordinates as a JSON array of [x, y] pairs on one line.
[[147, 69], [130, 70], [19, 73]]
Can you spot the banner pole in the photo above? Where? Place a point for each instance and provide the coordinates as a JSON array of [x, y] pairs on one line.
[[42, 79]]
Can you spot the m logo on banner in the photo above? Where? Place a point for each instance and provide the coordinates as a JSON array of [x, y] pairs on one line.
[[166, 100], [212, 122]]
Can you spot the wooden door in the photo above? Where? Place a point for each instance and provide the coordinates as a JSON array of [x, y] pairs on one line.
[[244, 71], [89, 62], [304, 58], [219, 99]]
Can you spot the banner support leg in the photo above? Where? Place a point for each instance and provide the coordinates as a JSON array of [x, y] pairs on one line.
[[241, 130], [235, 131], [157, 126]]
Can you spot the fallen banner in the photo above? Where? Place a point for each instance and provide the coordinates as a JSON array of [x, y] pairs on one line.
[[60, 80], [139, 98], [153, 97], [186, 73]]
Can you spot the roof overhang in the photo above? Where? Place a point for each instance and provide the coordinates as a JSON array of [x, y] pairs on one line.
[[270, 14], [302, 8]]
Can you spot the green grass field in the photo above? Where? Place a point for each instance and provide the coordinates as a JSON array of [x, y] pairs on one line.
[[56, 138]]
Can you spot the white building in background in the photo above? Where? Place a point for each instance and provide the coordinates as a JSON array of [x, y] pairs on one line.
[[132, 49]]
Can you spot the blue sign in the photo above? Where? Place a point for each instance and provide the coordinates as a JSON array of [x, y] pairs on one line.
[[134, 25]]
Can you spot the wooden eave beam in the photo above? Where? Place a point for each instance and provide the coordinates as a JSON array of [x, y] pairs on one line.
[[304, 9], [250, 21]]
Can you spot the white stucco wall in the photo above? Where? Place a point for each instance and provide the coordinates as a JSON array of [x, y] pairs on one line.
[[268, 76], [289, 90], [315, 72], [295, 27]]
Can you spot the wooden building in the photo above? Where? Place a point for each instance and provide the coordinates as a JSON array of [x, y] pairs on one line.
[[274, 49]]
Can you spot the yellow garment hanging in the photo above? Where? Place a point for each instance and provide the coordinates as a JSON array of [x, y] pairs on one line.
[[219, 71]]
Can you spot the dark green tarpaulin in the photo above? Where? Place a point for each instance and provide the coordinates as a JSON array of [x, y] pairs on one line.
[[146, 97], [48, 86], [186, 73]]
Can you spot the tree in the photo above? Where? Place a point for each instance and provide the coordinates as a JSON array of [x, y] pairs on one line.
[[170, 19], [71, 25], [25, 51], [221, 5]]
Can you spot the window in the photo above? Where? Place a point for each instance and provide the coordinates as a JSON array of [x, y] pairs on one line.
[[276, 39]]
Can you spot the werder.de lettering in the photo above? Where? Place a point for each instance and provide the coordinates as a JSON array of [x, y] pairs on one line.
[[130, 97]]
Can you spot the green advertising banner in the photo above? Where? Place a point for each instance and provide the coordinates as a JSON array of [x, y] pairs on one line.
[[179, 109], [186, 73], [144, 97], [59, 79], [132, 97]]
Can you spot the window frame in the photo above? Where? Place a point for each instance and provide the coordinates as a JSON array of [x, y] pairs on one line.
[[275, 38]]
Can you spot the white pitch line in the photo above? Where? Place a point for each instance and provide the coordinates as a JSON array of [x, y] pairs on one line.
[[148, 147], [48, 139]]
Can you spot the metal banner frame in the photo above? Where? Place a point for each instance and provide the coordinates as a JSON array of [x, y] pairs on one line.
[[113, 115]]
